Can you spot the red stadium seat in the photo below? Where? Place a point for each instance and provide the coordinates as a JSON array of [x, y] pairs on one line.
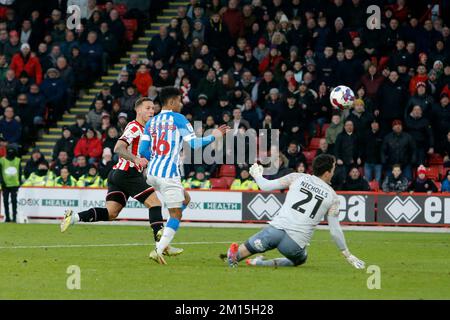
[[435, 158], [433, 173], [374, 185], [227, 170], [315, 143], [218, 183], [324, 129], [228, 180], [309, 155], [438, 185], [3, 12]]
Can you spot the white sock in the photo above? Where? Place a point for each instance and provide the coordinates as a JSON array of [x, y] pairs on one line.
[[166, 239], [76, 218]]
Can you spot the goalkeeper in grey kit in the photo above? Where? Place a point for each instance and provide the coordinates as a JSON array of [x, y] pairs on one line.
[[309, 199]]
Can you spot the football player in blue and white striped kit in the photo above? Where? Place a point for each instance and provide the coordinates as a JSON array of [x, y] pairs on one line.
[[161, 144]]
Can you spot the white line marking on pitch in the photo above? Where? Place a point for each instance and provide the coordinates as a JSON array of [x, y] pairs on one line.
[[109, 245]]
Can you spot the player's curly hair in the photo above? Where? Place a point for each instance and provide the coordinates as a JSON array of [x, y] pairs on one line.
[[168, 93]]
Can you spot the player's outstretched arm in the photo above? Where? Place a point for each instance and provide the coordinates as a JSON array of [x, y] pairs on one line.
[[339, 239], [196, 143], [256, 171]]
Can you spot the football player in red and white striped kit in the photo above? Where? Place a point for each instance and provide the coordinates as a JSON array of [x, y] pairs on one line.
[[126, 179]]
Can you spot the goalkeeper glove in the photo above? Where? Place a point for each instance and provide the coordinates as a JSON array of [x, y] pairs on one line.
[[354, 261], [256, 170]]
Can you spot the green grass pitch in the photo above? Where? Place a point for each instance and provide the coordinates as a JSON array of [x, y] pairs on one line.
[[413, 266]]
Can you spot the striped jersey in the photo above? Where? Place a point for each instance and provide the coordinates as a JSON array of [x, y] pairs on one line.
[[132, 136], [167, 131]]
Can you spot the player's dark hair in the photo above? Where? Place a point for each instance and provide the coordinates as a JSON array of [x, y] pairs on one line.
[[140, 102], [168, 93], [323, 163]]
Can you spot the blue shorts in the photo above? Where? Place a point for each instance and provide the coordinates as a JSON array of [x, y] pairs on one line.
[[270, 238]]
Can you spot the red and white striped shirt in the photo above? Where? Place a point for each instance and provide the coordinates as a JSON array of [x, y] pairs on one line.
[[132, 136]]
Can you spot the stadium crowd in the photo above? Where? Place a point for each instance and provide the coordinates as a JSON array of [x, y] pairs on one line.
[[261, 64]]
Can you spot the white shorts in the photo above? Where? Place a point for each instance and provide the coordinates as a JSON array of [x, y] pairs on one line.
[[171, 190]]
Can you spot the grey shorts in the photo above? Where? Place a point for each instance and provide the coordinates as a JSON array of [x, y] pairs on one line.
[[270, 238]]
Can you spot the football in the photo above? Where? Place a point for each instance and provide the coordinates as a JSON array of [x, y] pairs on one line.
[[342, 97]]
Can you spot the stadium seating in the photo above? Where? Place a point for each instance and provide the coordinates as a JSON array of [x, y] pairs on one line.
[[374, 186], [219, 183], [227, 170], [433, 173], [309, 155], [314, 144]]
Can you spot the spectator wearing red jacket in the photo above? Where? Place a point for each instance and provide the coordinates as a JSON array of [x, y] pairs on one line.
[[421, 76], [143, 80], [271, 61], [89, 146], [26, 61], [372, 81], [234, 20]]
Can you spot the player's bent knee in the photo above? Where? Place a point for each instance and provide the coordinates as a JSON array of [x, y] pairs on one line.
[[114, 209], [187, 198], [299, 261]]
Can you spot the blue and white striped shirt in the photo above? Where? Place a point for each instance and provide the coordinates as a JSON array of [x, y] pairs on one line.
[[167, 131]]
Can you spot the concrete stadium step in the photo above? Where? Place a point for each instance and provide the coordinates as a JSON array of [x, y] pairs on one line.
[[51, 137], [69, 117], [55, 131], [141, 46], [149, 32], [43, 144], [64, 123], [79, 110]]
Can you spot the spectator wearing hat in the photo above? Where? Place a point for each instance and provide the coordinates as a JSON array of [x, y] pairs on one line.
[[106, 164], [107, 97], [421, 76], [90, 180], [391, 102], [395, 182], [261, 51], [201, 110], [122, 121], [291, 121], [63, 180], [79, 126], [422, 99], [26, 61], [355, 182], [94, 117], [420, 130], [33, 163], [399, 148], [244, 182], [89, 146], [199, 180], [445, 187], [41, 177], [66, 143], [10, 128], [422, 183], [55, 91], [10, 177], [222, 107]]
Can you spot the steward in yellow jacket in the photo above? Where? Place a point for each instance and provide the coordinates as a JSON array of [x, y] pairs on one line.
[[244, 181], [64, 179], [91, 180]]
